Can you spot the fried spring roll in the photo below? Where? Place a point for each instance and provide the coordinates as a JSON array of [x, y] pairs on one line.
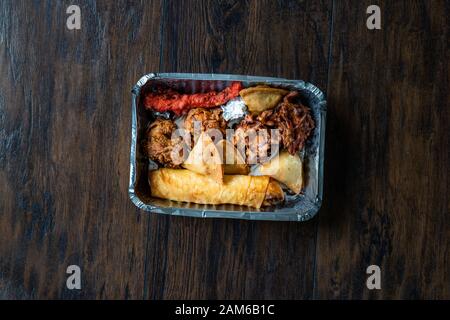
[[188, 186]]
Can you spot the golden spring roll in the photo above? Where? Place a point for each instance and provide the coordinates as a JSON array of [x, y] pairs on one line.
[[188, 186], [274, 193]]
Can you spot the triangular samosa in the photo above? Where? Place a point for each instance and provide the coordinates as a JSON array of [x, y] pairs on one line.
[[205, 159]]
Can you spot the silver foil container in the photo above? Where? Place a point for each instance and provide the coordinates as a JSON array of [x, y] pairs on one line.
[[295, 207]]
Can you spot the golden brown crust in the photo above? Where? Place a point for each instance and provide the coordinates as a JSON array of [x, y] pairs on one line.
[[285, 168], [261, 98], [188, 186], [159, 144], [206, 159], [207, 118], [274, 193], [234, 162]]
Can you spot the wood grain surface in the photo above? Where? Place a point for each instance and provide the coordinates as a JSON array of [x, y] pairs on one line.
[[388, 151], [65, 123]]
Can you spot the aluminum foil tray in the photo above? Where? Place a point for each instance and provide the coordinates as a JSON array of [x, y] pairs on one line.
[[295, 208]]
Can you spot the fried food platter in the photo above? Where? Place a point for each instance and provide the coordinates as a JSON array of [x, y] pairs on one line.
[[276, 176]]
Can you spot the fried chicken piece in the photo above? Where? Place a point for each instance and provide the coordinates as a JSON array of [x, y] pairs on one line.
[[160, 144], [207, 118]]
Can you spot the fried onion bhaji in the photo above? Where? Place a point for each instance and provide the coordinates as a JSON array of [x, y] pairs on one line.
[[290, 117], [255, 137], [160, 144], [207, 118], [294, 121]]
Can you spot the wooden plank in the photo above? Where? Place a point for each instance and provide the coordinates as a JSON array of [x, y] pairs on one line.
[[197, 258], [65, 122], [386, 194]]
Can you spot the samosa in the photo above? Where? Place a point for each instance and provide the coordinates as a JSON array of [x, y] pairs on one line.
[[205, 159], [261, 98]]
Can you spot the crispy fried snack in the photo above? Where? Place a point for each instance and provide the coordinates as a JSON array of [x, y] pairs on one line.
[[234, 162], [285, 168], [205, 159], [188, 186], [254, 139], [294, 121], [206, 119], [261, 98], [159, 144], [291, 117]]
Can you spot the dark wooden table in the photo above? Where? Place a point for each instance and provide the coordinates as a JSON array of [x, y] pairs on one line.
[[65, 119]]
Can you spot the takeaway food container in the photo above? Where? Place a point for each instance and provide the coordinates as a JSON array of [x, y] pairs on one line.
[[300, 207]]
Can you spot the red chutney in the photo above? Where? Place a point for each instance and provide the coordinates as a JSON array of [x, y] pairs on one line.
[[171, 100]]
